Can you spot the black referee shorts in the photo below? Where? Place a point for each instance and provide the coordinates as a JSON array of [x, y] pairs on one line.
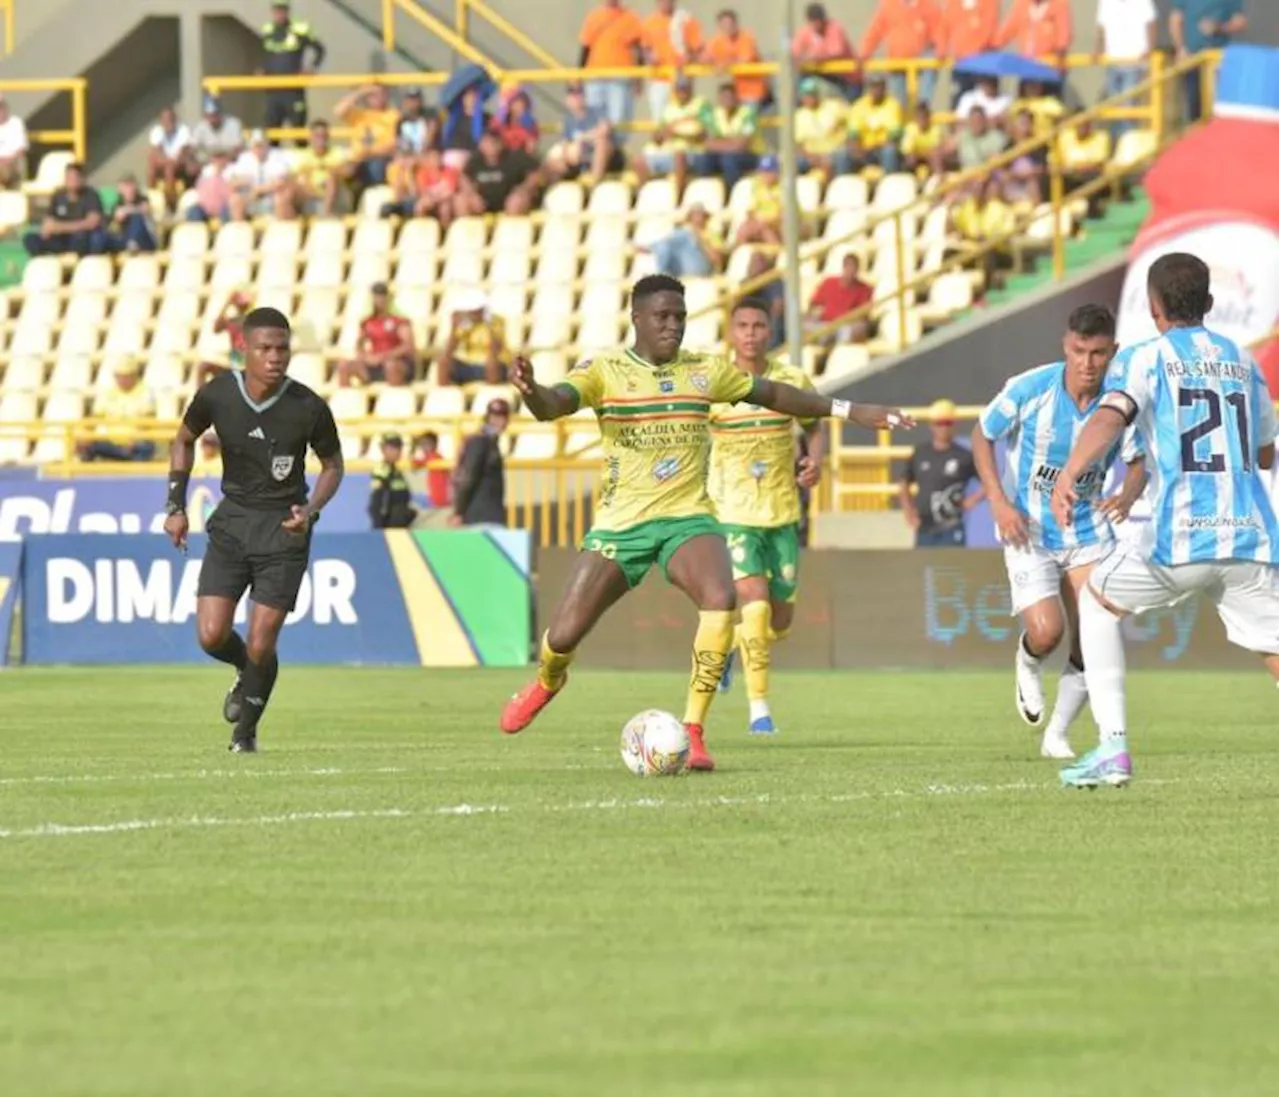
[[251, 549]]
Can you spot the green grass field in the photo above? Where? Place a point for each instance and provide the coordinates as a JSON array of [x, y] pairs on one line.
[[894, 897]]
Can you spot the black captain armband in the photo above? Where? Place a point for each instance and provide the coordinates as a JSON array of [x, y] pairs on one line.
[[1120, 402], [177, 501]]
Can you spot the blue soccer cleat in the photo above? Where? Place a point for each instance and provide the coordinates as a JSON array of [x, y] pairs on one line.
[[726, 678], [1108, 764], [763, 725]]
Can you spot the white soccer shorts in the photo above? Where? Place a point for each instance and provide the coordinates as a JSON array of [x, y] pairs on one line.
[[1245, 594], [1035, 573]]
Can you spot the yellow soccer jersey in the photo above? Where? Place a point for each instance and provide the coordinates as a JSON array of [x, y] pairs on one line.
[[654, 424], [753, 459]]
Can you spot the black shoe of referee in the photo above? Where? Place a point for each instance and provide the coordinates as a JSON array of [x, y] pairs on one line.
[[244, 746], [233, 702]]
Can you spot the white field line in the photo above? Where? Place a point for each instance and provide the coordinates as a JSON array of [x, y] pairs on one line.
[[63, 830], [193, 775]]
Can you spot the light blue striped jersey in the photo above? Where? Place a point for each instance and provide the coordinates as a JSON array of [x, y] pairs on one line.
[[1039, 422], [1202, 410]]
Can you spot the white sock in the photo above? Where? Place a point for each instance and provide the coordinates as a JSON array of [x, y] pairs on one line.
[[759, 710], [1103, 649], [1025, 656], [1072, 695]]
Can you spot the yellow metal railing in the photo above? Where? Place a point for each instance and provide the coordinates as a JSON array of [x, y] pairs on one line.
[[6, 19], [76, 87], [1160, 87], [430, 23]]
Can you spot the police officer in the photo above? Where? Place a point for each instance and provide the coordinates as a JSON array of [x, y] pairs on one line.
[[389, 496], [286, 41], [479, 483]]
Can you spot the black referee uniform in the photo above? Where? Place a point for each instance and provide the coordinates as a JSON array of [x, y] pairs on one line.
[[264, 448], [286, 42]]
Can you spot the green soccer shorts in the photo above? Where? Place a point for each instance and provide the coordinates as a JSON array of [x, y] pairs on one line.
[[636, 549], [771, 551]]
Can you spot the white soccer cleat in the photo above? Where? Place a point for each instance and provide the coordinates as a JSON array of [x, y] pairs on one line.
[[1028, 687], [1055, 745]]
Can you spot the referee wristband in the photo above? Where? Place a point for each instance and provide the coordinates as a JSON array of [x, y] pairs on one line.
[[178, 480], [840, 409]]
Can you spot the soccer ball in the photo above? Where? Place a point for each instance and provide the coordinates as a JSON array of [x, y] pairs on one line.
[[655, 744]]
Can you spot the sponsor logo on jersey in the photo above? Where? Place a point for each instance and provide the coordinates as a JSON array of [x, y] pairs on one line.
[[665, 468], [257, 433], [759, 470], [281, 467], [700, 381]]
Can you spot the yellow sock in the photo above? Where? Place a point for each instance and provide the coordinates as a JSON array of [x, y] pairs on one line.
[[553, 666], [711, 646], [756, 639]]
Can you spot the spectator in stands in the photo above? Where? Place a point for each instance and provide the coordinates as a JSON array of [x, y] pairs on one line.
[[466, 121], [612, 37], [695, 250], [772, 293], [171, 161], [923, 143], [1039, 29], [1196, 25], [908, 29], [821, 131], [229, 322], [586, 144], [390, 500], [13, 147], [477, 346], [978, 142], [1126, 35], [286, 42], [1083, 152], [731, 45], [681, 136], [968, 27], [822, 39], [418, 127], [317, 174], [1039, 98], [671, 37], [426, 451], [214, 189], [124, 403], [875, 127], [763, 222], [260, 182], [514, 123], [984, 218], [384, 350], [423, 186], [499, 180], [940, 470], [1024, 178], [734, 142], [132, 226], [217, 132], [984, 94], [369, 113], [74, 222], [479, 484], [836, 297]]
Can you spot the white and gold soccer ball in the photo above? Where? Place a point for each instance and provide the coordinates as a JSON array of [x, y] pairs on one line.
[[655, 744]]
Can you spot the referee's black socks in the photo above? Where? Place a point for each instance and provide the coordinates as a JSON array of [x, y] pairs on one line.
[[258, 680], [232, 651]]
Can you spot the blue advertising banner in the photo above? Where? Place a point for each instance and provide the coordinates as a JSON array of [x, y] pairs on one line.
[[134, 504], [10, 566], [450, 598]]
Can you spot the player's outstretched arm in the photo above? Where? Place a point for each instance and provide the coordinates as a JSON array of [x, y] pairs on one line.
[[332, 470], [1101, 432], [1011, 524], [801, 404], [1117, 506], [544, 403], [182, 456]]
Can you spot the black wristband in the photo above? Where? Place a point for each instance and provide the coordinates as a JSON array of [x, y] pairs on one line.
[[178, 479]]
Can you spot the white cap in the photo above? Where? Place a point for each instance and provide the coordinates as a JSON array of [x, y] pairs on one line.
[[258, 137]]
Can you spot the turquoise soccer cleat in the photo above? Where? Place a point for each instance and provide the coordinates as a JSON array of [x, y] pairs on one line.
[[726, 678], [1108, 764]]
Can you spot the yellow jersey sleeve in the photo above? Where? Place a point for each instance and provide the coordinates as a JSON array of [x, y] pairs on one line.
[[587, 379], [727, 384]]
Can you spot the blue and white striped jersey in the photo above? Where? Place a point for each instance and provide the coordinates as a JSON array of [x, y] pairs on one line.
[[1039, 422], [1201, 409]]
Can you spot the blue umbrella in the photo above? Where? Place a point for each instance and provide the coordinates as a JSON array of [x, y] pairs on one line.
[[996, 65], [463, 79]]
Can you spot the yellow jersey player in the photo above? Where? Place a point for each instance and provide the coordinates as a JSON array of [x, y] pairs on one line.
[[653, 402], [755, 489]]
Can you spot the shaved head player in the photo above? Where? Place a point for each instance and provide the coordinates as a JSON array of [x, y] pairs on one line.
[[260, 535]]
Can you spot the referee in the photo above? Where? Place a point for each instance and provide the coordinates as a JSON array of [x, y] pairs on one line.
[[286, 41], [260, 535]]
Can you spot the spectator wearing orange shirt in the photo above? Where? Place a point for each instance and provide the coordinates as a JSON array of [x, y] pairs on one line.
[[907, 29], [611, 38], [671, 37], [968, 27], [822, 39], [1038, 28], [734, 46]]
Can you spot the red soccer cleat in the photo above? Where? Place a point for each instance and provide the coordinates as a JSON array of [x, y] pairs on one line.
[[525, 705], [698, 756]]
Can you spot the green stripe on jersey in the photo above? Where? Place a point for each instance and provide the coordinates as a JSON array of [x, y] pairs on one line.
[[655, 408]]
